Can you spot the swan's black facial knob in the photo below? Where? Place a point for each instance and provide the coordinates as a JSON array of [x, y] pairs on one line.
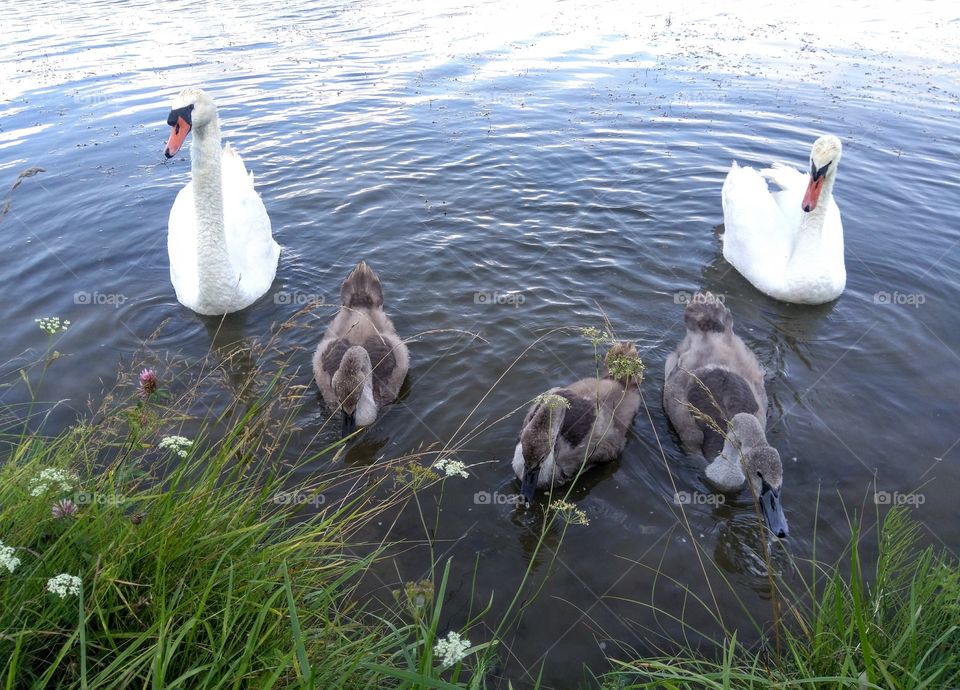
[[186, 112], [180, 121], [817, 176]]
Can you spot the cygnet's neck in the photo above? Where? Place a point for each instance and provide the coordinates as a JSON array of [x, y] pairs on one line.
[[726, 470], [366, 413]]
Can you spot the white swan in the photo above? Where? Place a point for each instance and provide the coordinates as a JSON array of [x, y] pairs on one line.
[[223, 256], [789, 244]]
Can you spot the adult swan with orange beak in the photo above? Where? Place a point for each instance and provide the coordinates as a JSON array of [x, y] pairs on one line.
[[223, 256], [789, 243]]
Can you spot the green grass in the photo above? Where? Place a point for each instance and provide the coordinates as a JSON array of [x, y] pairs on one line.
[[194, 579], [897, 630]]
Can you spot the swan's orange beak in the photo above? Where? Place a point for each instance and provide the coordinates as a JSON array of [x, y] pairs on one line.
[[178, 134], [812, 195]]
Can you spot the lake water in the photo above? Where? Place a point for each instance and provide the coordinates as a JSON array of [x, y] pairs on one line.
[[515, 172]]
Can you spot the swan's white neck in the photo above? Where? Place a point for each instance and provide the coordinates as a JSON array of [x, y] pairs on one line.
[[812, 223], [217, 278], [811, 241]]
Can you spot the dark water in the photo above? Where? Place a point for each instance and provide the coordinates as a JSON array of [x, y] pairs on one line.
[[568, 161]]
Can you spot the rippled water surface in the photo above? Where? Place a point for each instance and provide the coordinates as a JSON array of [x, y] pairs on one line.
[[514, 173]]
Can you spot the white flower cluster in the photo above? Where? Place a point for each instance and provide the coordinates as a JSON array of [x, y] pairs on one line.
[[64, 584], [570, 513], [52, 325], [451, 467], [178, 444], [453, 649], [7, 559], [51, 477], [595, 336], [552, 401]]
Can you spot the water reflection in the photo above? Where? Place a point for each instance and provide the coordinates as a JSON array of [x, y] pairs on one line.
[[738, 549]]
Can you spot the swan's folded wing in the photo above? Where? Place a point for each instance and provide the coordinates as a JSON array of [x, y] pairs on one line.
[[579, 418], [388, 357], [756, 237], [329, 355], [793, 184], [326, 361], [250, 240], [784, 176], [182, 247], [718, 395], [747, 202]]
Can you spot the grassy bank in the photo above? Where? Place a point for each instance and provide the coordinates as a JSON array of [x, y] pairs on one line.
[[895, 627], [190, 561], [145, 547]]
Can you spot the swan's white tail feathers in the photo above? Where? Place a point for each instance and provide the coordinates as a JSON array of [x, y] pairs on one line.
[[784, 176], [745, 176], [737, 179], [232, 165]]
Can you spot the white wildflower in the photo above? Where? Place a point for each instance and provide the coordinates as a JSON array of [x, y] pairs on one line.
[[552, 401], [49, 478], [570, 513], [453, 649], [178, 444], [64, 584], [451, 467], [7, 559], [52, 325], [595, 336]]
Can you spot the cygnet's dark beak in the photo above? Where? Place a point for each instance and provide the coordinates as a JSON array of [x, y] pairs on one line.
[[349, 424], [772, 511], [528, 486]]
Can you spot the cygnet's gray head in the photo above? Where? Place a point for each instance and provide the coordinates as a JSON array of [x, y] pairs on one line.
[[348, 384], [764, 470]]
